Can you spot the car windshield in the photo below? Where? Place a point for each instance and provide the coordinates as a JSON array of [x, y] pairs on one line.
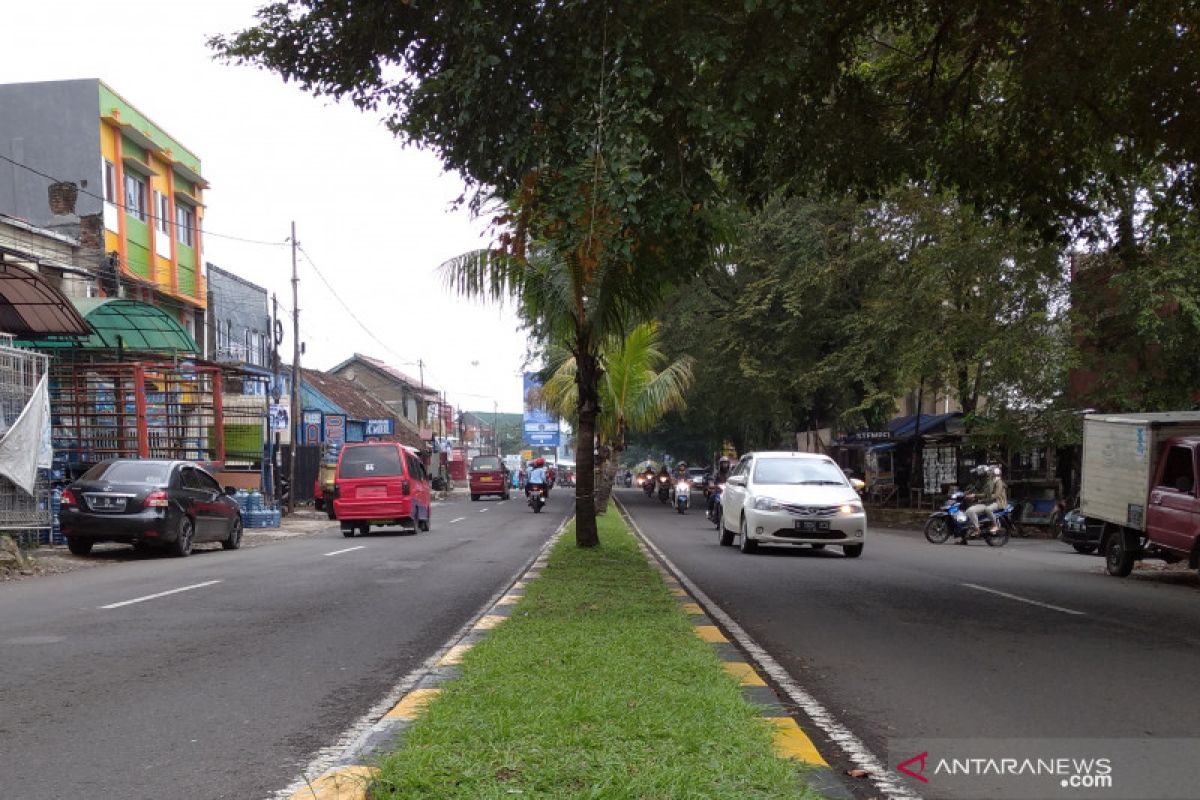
[[146, 473], [485, 464], [380, 461], [796, 471]]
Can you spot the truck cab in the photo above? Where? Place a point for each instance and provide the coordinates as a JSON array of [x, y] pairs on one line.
[[1173, 510]]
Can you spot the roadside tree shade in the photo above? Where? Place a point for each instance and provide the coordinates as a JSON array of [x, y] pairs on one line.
[[127, 324], [31, 308]]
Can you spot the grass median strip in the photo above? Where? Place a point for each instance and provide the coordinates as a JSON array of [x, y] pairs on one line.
[[596, 686]]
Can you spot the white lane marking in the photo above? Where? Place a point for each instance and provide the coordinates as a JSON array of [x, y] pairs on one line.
[[160, 594], [460, 519], [855, 749], [356, 738], [1020, 599], [347, 550], [482, 510]]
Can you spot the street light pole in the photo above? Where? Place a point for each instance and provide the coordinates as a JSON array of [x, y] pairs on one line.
[[295, 409]]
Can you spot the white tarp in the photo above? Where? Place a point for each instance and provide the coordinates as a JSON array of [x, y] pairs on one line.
[[26, 445]]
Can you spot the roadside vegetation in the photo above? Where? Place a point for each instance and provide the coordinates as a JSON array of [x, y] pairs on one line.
[[595, 687]]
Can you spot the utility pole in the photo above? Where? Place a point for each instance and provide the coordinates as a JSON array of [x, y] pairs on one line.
[[421, 367], [273, 440], [295, 409], [495, 430]]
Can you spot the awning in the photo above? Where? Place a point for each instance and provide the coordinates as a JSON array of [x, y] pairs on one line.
[[31, 308], [128, 324], [931, 424]]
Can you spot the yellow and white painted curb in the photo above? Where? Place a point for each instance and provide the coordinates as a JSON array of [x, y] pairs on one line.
[[350, 776]]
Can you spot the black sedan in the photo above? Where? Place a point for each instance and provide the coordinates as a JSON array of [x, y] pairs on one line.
[[1080, 533], [173, 504]]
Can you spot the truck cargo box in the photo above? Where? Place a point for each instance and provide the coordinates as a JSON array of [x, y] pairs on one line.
[[1120, 454]]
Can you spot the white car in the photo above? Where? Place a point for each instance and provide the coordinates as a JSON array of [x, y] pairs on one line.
[[782, 498]]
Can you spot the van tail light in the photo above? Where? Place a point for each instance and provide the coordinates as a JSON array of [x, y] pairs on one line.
[[68, 498], [156, 499], [405, 487]]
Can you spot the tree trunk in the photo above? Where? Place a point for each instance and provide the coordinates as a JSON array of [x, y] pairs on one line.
[[607, 472], [587, 379]]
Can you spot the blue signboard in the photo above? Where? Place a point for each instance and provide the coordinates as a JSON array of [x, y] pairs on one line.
[[380, 427], [541, 428]]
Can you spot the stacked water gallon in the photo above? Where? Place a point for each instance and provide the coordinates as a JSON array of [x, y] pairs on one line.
[[254, 512]]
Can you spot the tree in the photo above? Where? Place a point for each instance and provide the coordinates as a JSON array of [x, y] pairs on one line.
[[639, 386]]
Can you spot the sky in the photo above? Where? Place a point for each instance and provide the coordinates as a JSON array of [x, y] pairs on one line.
[[375, 217]]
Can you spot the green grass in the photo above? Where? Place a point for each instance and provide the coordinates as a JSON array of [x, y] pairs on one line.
[[595, 687]]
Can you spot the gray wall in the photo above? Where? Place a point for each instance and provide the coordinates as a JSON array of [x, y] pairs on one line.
[[237, 309], [54, 127]]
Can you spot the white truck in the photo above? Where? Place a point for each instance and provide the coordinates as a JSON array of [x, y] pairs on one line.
[[1139, 483]]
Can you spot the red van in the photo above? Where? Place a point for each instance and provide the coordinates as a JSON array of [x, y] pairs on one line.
[[380, 483], [488, 476]]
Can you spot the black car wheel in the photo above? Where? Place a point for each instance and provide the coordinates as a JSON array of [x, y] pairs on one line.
[[852, 550], [182, 546], [724, 536], [747, 545], [423, 524], [79, 547], [348, 533], [234, 540]]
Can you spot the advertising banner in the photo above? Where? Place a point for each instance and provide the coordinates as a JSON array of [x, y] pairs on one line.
[[541, 427], [335, 428]]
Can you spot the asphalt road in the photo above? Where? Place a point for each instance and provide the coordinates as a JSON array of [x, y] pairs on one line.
[[227, 689], [915, 640]]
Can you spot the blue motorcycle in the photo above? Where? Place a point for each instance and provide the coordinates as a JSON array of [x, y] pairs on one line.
[[714, 510], [952, 521]]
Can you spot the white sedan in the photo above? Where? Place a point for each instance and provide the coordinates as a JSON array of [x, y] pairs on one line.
[[782, 498]]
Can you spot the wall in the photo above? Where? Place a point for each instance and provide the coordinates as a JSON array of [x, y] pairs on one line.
[[52, 127], [238, 308]]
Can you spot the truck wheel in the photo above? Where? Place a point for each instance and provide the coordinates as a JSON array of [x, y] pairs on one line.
[[1084, 549], [1119, 553]]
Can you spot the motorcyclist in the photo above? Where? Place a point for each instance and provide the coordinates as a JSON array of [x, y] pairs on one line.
[[990, 498], [537, 477], [722, 475]]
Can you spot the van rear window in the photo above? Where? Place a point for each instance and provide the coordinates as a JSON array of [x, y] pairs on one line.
[[485, 463], [380, 461]]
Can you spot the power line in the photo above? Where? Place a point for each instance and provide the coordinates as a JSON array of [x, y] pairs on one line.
[[127, 207], [349, 311]]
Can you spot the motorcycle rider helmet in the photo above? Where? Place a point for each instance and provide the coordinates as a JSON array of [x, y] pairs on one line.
[[996, 470], [541, 462], [982, 469]]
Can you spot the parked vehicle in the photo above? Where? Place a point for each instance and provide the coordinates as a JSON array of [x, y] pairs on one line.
[[681, 495], [488, 475], [326, 475], [1081, 533], [381, 483], [789, 498], [537, 498], [1139, 485], [952, 521], [173, 504]]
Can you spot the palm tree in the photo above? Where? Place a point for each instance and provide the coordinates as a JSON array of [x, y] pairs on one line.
[[576, 298], [637, 388]]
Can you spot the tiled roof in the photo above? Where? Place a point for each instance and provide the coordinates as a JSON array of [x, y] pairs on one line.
[[392, 372]]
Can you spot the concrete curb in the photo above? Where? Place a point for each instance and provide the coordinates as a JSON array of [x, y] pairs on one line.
[[351, 772], [791, 742]]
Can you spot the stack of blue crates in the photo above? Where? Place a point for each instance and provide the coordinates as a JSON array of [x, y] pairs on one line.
[[254, 512]]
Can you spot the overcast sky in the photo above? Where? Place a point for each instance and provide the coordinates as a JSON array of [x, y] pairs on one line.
[[375, 218]]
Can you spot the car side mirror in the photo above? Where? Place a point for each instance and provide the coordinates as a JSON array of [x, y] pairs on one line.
[[230, 491], [737, 480]]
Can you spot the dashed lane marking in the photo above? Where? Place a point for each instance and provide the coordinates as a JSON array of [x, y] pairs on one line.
[[156, 595], [1020, 599], [460, 519], [347, 550]]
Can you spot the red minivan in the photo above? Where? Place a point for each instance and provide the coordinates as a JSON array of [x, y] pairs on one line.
[[380, 483], [488, 476]]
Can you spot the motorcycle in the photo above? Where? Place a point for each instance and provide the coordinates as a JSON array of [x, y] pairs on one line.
[[664, 488], [952, 521], [537, 499], [714, 504], [682, 492], [648, 485]]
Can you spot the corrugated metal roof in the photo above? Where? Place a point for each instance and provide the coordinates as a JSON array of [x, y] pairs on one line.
[[356, 403]]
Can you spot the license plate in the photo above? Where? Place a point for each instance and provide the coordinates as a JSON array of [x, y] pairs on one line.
[[812, 525], [101, 503], [372, 491], [486, 478]]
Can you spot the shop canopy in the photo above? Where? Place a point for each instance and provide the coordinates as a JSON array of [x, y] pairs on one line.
[[930, 425], [127, 324], [31, 308]]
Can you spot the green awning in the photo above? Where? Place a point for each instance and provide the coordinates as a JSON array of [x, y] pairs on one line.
[[128, 324]]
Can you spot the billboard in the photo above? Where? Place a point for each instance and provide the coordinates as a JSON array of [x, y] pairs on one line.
[[541, 427]]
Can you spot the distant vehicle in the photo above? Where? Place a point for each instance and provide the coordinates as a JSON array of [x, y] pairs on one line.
[[1139, 484], [146, 503], [488, 476], [696, 475], [1080, 533], [791, 498], [381, 483], [952, 520]]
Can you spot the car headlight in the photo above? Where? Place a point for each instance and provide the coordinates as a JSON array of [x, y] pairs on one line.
[[850, 508], [766, 504]]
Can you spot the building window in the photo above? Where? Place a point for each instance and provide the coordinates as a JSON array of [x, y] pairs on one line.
[[162, 214], [110, 181], [135, 196], [185, 223]]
